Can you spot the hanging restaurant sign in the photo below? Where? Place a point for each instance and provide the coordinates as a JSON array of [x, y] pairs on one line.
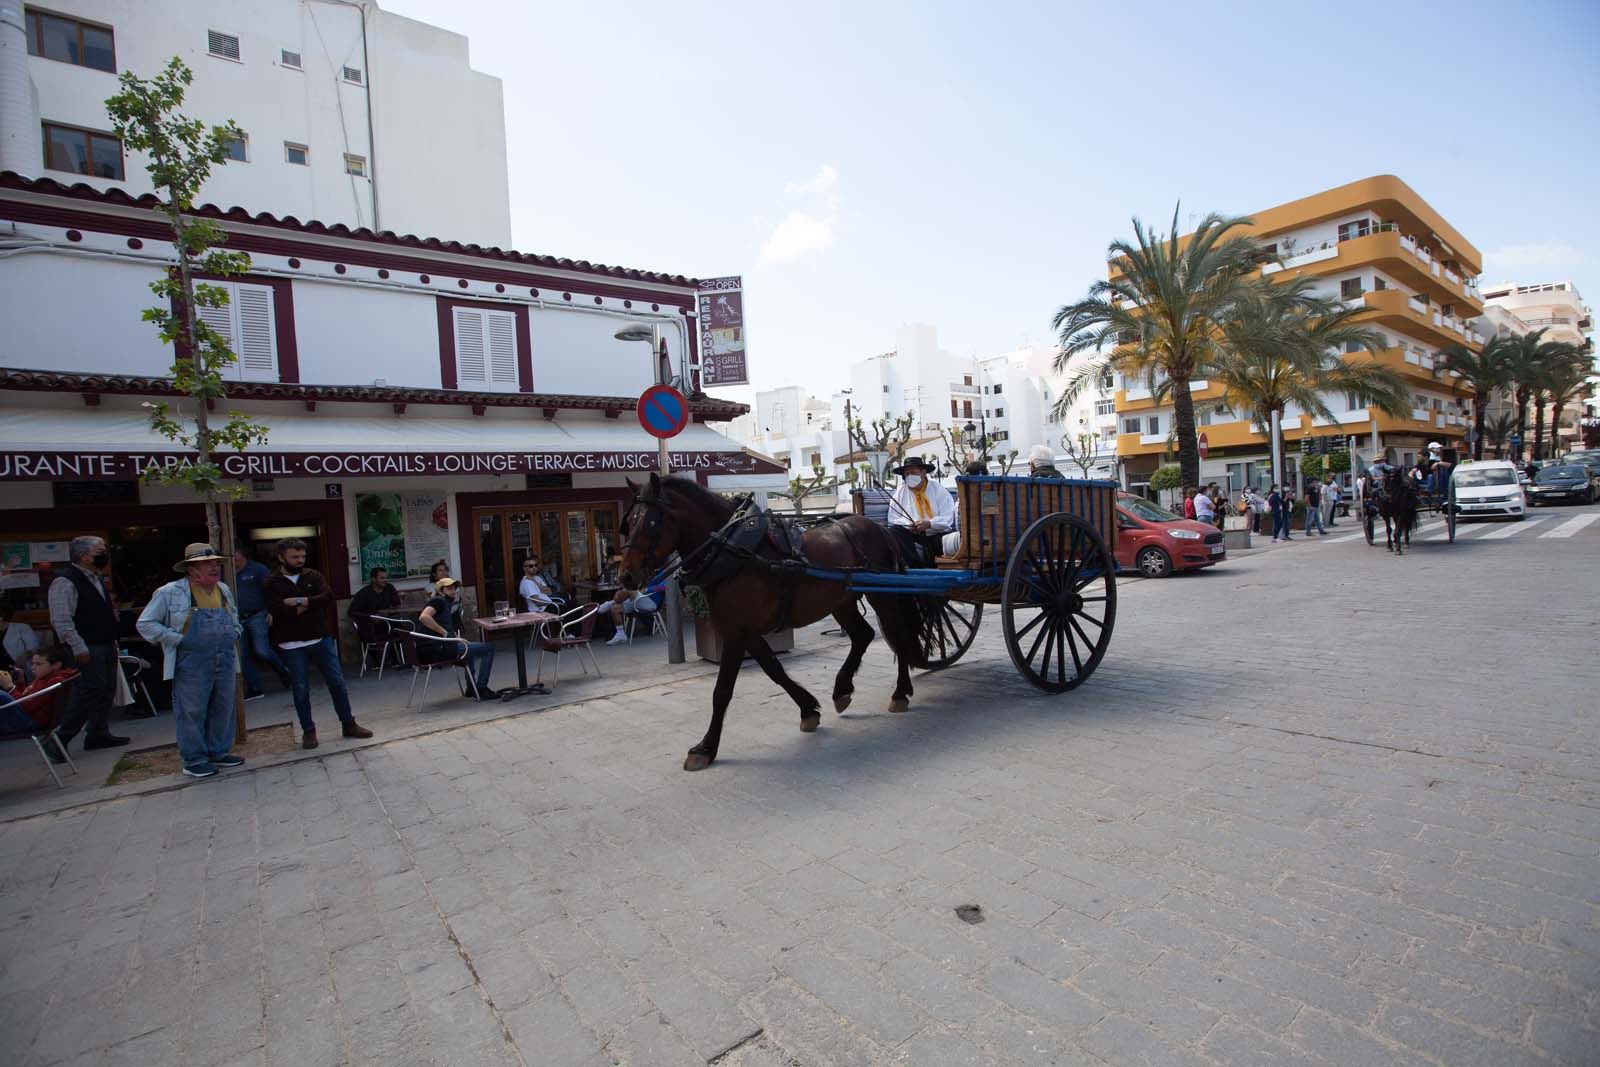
[[722, 354]]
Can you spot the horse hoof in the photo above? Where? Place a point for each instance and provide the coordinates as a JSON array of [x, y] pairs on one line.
[[696, 761], [899, 704], [809, 723], [841, 702]]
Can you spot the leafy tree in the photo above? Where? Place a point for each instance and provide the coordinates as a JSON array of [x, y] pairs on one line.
[[1338, 462], [1527, 359], [1483, 372], [1161, 313], [887, 434], [182, 151], [1499, 430], [1311, 466], [800, 487], [1560, 381], [1167, 477]]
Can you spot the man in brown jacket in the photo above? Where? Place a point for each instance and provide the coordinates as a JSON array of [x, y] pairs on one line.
[[297, 600]]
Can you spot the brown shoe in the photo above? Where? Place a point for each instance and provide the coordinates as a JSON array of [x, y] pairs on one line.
[[308, 739], [355, 729]]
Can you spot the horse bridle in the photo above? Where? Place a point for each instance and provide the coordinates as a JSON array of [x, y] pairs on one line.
[[648, 553]]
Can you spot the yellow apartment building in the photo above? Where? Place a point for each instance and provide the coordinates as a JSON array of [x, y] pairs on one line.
[[1373, 242]]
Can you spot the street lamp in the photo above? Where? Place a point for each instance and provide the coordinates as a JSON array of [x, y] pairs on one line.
[[638, 331]]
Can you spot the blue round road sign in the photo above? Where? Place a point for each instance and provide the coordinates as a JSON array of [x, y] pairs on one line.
[[663, 412]]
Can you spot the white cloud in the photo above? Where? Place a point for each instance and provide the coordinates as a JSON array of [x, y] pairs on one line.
[[1538, 255], [809, 228]]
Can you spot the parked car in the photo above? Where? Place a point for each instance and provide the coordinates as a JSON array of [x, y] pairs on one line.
[[1488, 489], [1588, 457], [1154, 542], [1569, 483]]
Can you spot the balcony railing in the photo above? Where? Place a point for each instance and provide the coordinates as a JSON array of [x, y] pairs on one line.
[[1416, 305], [1550, 320], [1419, 414], [1452, 277]]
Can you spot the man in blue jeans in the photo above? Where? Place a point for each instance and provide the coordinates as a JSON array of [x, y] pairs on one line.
[[250, 592], [442, 619], [298, 599], [1314, 508]]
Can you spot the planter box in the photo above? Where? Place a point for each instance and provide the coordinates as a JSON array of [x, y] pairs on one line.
[[1236, 538], [708, 644]]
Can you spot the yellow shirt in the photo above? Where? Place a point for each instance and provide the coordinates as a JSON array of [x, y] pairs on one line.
[[206, 596]]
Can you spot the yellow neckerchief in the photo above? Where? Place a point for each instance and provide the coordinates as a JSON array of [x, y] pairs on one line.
[[205, 598], [919, 495]]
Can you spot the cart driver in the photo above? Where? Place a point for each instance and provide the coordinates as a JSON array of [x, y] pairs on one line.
[[921, 512]]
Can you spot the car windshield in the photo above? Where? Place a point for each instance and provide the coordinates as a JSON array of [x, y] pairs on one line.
[[1147, 511], [1586, 458], [1492, 476], [1560, 474]]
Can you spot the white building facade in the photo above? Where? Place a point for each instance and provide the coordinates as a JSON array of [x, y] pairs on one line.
[[351, 115], [1559, 310]]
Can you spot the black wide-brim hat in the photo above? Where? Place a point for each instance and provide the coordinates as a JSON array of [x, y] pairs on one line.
[[910, 462]]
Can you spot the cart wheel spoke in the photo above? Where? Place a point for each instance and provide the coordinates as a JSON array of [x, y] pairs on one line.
[[960, 619], [1058, 565], [1043, 633], [1077, 660], [1037, 619]]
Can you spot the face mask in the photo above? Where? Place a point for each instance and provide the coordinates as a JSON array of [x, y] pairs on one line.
[[100, 560], [206, 580], [913, 480]]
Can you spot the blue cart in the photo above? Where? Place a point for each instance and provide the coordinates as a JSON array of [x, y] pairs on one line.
[[1042, 550]]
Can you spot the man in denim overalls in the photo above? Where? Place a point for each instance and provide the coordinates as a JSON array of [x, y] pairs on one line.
[[196, 623]]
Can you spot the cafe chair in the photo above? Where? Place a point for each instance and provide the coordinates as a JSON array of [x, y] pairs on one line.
[[55, 696], [413, 642], [651, 618], [133, 669], [572, 632], [376, 633]]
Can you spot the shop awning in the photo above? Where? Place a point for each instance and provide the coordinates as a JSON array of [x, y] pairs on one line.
[[62, 445]]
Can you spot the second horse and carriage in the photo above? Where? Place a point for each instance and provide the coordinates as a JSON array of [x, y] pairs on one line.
[[1039, 550]]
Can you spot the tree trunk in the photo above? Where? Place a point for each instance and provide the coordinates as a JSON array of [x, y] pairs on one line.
[[1479, 400], [225, 548], [1522, 422], [1183, 429], [1538, 426]]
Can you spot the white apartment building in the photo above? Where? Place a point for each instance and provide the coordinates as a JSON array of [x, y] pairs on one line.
[[794, 428], [1558, 309], [351, 115], [918, 377], [1019, 390]]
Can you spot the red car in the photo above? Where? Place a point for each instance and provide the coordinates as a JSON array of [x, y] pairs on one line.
[[1154, 542]]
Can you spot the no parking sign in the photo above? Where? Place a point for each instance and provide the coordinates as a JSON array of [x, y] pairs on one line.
[[663, 412]]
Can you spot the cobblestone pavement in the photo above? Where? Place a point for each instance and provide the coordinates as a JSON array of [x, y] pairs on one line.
[[1319, 806]]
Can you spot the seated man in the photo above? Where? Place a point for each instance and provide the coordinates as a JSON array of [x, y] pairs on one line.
[[534, 589], [442, 617], [920, 512], [632, 602], [1042, 463]]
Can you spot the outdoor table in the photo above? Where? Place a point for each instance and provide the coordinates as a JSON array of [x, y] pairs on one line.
[[514, 625]]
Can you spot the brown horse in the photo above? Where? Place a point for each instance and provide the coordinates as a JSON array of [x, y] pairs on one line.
[[677, 515]]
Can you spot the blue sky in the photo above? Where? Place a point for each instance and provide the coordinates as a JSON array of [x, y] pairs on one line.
[[869, 164]]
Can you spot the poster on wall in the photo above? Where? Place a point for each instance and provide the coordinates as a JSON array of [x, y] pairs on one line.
[[404, 533], [722, 351]]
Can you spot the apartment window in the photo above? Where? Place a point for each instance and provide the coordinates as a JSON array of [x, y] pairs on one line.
[[356, 165], [238, 149], [1107, 382], [1130, 425], [997, 390], [1349, 288], [297, 154], [966, 379], [68, 40], [999, 413], [1202, 416], [1349, 231], [352, 75], [246, 323], [966, 409], [486, 350], [289, 59], [1105, 407], [1153, 425], [1352, 347], [1438, 405], [76, 151], [222, 45], [953, 411], [1379, 284], [1352, 402]]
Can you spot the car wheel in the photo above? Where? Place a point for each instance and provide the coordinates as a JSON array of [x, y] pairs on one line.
[[1153, 562]]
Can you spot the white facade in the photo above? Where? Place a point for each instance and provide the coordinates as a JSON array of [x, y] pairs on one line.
[[935, 387], [1559, 310], [351, 114]]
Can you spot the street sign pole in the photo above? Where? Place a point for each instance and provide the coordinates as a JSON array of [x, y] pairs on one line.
[[674, 594]]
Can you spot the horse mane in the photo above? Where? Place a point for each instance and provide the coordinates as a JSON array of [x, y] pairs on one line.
[[697, 495]]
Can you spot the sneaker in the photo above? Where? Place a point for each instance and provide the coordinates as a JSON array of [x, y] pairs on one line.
[[253, 694], [485, 694], [200, 770], [308, 739], [355, 729], [228, 760], [620, 637]]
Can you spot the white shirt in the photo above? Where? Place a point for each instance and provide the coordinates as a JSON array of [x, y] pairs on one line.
[[1204, 509], [534, 594], [903, 509]]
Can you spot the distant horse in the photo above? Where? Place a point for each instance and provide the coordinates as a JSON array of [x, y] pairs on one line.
[[1396, 501], [750, 593]]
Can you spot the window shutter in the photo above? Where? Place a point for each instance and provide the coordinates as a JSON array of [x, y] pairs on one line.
[[257, 344], [471, 366], [221, 319], [502, 349]]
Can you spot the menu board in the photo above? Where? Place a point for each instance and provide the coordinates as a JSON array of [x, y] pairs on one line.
[[404, 533]]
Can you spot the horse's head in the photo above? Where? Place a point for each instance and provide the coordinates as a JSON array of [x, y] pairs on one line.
[[650, 532]]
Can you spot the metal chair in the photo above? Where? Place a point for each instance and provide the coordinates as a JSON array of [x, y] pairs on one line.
[[133, 669], [39, 735], [454, 648], [573, 630], [375, 631], [653, 617]]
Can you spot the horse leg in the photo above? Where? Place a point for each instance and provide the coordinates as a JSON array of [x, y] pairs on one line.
[[861, 634], [901, 701], [809, 715], [704, 754]]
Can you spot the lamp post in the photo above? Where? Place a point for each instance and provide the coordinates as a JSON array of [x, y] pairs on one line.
[[638, 331]]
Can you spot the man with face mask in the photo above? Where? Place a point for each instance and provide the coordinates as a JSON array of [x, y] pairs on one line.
[[196, 623], [921, 512], [85, 620]]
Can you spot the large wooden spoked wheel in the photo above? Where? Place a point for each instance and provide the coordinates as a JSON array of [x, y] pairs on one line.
[[958, 626], [1059, 602]]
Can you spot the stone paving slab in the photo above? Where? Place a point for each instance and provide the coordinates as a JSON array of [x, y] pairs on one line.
[[1330, 814]]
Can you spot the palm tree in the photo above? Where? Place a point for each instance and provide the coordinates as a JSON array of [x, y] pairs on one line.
[[1483, 371], [1282, 346], [1161, 314], [1499, 428], [1560, 382], [1525, 363]]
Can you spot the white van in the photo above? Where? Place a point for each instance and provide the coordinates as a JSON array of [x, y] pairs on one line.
[[1488, 489]]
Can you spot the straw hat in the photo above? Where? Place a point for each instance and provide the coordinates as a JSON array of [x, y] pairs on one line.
[[199, 552], [444, 583]]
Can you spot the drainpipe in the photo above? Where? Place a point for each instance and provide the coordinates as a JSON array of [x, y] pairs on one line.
[[19, 115], [372, 133]]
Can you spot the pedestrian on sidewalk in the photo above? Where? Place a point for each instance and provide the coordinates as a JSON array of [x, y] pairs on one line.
[[250, 593], [196, 623], [443, 618], [85, 620], [1332, 494], [1188, 502], [297, 599], [1314, 508], [1205, 509], [1278, 506]]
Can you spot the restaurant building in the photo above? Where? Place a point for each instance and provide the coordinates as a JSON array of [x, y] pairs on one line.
[[425, 399]]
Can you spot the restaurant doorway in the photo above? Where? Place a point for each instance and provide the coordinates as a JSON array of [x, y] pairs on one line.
[[575, 544]]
